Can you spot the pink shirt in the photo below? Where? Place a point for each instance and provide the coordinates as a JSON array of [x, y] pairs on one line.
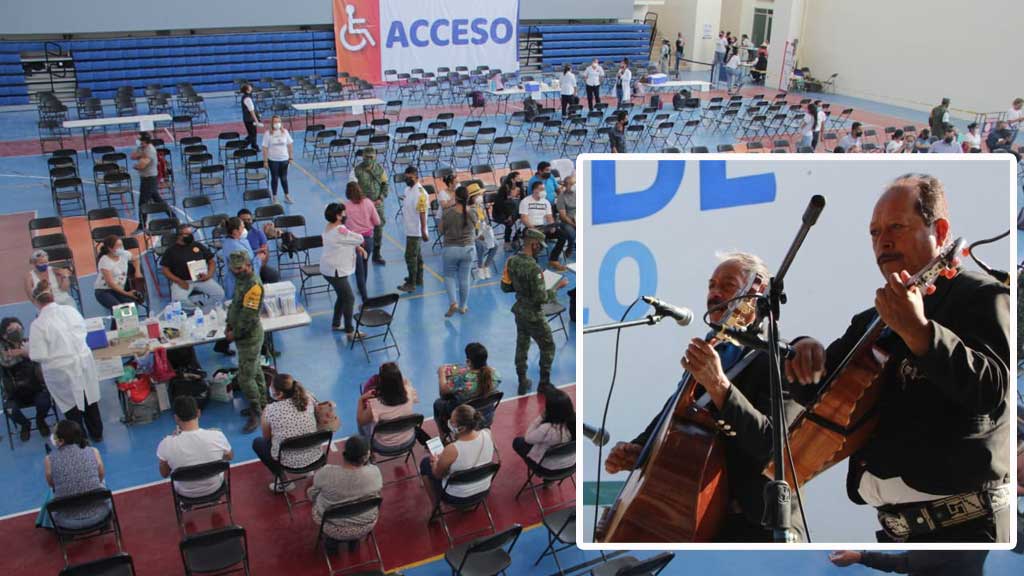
[[362, 217]]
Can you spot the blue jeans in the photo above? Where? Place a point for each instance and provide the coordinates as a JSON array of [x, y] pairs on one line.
[[108, 298], [458, 263], [361, 266], [718, 65]]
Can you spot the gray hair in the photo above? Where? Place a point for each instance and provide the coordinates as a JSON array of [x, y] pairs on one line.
[[36, 255], [750, 263]]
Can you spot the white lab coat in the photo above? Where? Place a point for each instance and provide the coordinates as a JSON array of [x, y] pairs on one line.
[[57, 342], [627, 83]]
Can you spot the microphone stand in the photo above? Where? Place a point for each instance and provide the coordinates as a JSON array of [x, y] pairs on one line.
[[649, 320], [777, 493]]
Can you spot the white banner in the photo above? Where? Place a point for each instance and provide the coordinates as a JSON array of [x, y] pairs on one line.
[[430, 34]]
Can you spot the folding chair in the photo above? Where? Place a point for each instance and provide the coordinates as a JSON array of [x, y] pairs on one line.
[[339, 152], [256, 196], [486, 555], [211, 181], [552, 310], [630, 566], [68, 194], [310, 271], [199, 472], [219, 551], [117, 565], [500, 150], [5, 378], [68, 504], [838, 121], [309, 136], [472, 476], [686, 133], [410, 424], [372, 314], [341, 512], [299, 444]]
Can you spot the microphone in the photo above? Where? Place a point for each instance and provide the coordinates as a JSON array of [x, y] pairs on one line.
[[814, 208], [682, 316], [599, 437]]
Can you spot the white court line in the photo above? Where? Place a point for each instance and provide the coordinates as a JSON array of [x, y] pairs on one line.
[[235, 465]]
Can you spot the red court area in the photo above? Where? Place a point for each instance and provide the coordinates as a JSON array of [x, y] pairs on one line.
[[279, 544]]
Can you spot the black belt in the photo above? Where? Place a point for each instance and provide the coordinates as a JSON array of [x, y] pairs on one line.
[[902, 521]]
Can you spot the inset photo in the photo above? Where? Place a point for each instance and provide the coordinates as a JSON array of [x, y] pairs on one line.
[[796, 351]]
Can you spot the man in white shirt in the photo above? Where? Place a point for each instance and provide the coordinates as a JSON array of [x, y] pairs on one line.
[[57, 343], [719, 60], [1014, 116], [568, 85], [851, 142], [666, 53], [535, 210], [191, 445], [414, 221], [592, 78]]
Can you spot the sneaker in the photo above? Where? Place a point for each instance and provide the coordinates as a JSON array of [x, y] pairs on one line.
[[288, 199], [464, 310], [488, 273], [407, 287], [355, 336], [378, 260], [451, 311]]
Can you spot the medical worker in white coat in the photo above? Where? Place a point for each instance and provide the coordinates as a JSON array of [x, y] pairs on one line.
[[57, 342], [624, 82]]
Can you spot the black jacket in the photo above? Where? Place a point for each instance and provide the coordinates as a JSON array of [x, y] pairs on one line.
[[944, 425], [750, 450]]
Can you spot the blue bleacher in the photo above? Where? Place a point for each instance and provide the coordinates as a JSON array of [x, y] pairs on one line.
[[579, 43]]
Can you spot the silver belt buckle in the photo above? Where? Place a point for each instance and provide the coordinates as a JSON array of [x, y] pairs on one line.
[[895, 525]]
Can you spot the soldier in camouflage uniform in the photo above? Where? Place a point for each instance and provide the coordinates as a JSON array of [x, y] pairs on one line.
[[374, 181], [245, 329], [524, 277]]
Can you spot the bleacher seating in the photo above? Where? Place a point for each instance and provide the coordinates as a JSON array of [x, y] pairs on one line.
[[578, 44], [12, 77]]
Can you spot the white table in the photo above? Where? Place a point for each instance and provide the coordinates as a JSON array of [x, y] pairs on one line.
[[506, 94], [146, 122], [701, 85], [357, 106]]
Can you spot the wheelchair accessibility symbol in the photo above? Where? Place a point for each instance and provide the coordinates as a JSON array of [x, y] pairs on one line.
[[353, 27]]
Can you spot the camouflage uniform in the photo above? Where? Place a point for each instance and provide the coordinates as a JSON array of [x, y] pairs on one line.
[[374, 181], [244, 321], [524, 277]]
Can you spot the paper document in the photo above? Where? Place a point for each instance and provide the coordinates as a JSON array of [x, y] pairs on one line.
[[110, 368], [571, 267], [551, 279], [196, 268]]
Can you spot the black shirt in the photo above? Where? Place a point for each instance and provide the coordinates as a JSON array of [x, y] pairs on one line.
[[928, 562], [177, 258]]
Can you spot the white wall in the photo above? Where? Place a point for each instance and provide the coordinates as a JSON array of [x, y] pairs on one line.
[[914, 52], [732, 14], [85, 16], [689, 17]]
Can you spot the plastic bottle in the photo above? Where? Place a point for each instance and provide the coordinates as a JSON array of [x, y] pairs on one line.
[[198, 325]]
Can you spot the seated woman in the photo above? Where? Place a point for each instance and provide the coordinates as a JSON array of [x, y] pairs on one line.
[[505, 210], [115, 264], [458, 384], [555, 426], [291, 414], [59, 278], [235, 242], [24, 385], [75, 468], [354, 480], [393, 397], [472, 447]]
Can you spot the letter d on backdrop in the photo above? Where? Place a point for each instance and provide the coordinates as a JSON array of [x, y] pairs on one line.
[[357, 38]]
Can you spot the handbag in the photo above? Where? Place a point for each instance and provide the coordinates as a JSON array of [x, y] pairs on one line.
[[162, 370], [137, 389], [326, 417]]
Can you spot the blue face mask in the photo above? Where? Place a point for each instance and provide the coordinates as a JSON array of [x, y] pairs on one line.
[[42, 267]]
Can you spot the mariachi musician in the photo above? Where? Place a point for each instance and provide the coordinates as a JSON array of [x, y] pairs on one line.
[[937, 466], [736, 381]]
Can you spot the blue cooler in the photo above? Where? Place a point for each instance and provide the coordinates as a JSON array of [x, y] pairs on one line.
[[532, 86], [655, 79]]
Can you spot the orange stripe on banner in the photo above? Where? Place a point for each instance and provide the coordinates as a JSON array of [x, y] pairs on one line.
[[358, 39]]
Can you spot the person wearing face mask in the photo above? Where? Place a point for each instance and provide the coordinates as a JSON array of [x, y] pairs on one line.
[[257, 240], [250, 117], [473, 446], [23, 385], [948, 144], [146, 165], [623, 82], [545, 177], [972, 140], [592, 78], [355, 479], [851, 142], [523, 276], [374, 181], [459, 383], [567, 83], [278, 151], [337, 262], [414, 222], [59, 279], [112, 287], [68, 367], [566, 206], [486, 245], [234, 241], [361, 218], [505, 210], [246, 331], [182, 265]]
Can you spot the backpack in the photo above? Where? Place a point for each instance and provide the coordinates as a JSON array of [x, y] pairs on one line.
[[531, 108], [190, 383], [679, 99], [477, 100], [287, 244], [142, 412]]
